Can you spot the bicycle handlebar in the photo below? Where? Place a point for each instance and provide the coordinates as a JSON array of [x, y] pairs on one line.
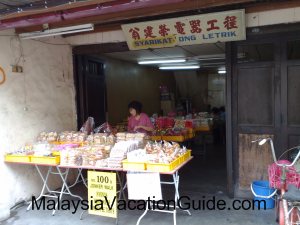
[[263, 141]]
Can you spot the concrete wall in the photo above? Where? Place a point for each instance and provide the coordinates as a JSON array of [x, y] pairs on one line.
[[202, 88], [193, 85], [129, 81], [271, 17], [39, 99], [216, 90]]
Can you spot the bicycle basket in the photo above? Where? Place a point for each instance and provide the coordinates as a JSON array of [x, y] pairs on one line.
[[275, 171]]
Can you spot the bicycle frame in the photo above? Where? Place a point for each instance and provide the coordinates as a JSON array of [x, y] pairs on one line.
[[284, 212], [283, 219]]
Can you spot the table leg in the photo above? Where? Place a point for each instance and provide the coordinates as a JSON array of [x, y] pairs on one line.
[[117, 219], [177, 195], [175, 182], [84, 180], [65, 189], [65, 184], [174, 216], [121, 179], [61, 191], [45, 185], [141, 217], [79, 175]]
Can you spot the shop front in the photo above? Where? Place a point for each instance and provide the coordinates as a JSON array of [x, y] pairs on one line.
[[153, 60], [264, 62], [183, 115], [207, 84]]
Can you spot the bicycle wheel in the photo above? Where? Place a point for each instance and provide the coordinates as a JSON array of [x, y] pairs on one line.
[[294, 216], [281, 218], [277, 201]]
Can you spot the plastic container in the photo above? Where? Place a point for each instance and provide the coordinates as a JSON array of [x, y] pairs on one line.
[[17, 158], [181, 159], [263, 194], [190, 130], [179, 138], [202, 128], [155, 138], [162, 167], [133, 166], [45, 160], [56, 153], [189, 136], [68, 143], [187, 155]]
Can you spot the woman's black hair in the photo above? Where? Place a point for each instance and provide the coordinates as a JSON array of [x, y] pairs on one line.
[[215, 110], [222, 108], [136, 105]]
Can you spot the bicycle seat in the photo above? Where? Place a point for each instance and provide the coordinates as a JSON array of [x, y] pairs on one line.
[[293, 194]]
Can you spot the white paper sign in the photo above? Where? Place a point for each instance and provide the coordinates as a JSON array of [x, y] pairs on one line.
[[144, 186]]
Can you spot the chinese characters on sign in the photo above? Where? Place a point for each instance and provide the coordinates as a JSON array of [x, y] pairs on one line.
[[199, 29]]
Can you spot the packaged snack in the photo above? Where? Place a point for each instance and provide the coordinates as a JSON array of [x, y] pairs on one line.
[[88, 126]]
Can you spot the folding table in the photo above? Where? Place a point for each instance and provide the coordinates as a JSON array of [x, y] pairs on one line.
[[63, 171], [175, 182]]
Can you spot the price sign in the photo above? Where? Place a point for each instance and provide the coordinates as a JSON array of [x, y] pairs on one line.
[[102, 194]]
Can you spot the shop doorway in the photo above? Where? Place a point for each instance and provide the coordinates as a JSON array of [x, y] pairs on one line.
[[203, 90], [90, 89]]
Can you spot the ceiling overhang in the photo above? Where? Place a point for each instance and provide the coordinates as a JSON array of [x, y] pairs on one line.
[[109, 15], [103, 12]]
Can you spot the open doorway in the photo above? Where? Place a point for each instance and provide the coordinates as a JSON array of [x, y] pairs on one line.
[[191, 93]]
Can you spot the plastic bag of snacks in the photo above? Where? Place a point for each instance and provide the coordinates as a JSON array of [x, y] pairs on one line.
[[102, 139], [93, 154], [72, 136], [104, 128], [75, 157], [50, 137], [79, 137], [88, 126], [163, 152]]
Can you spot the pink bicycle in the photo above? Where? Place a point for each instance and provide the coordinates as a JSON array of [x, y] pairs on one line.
[[288, 196]]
